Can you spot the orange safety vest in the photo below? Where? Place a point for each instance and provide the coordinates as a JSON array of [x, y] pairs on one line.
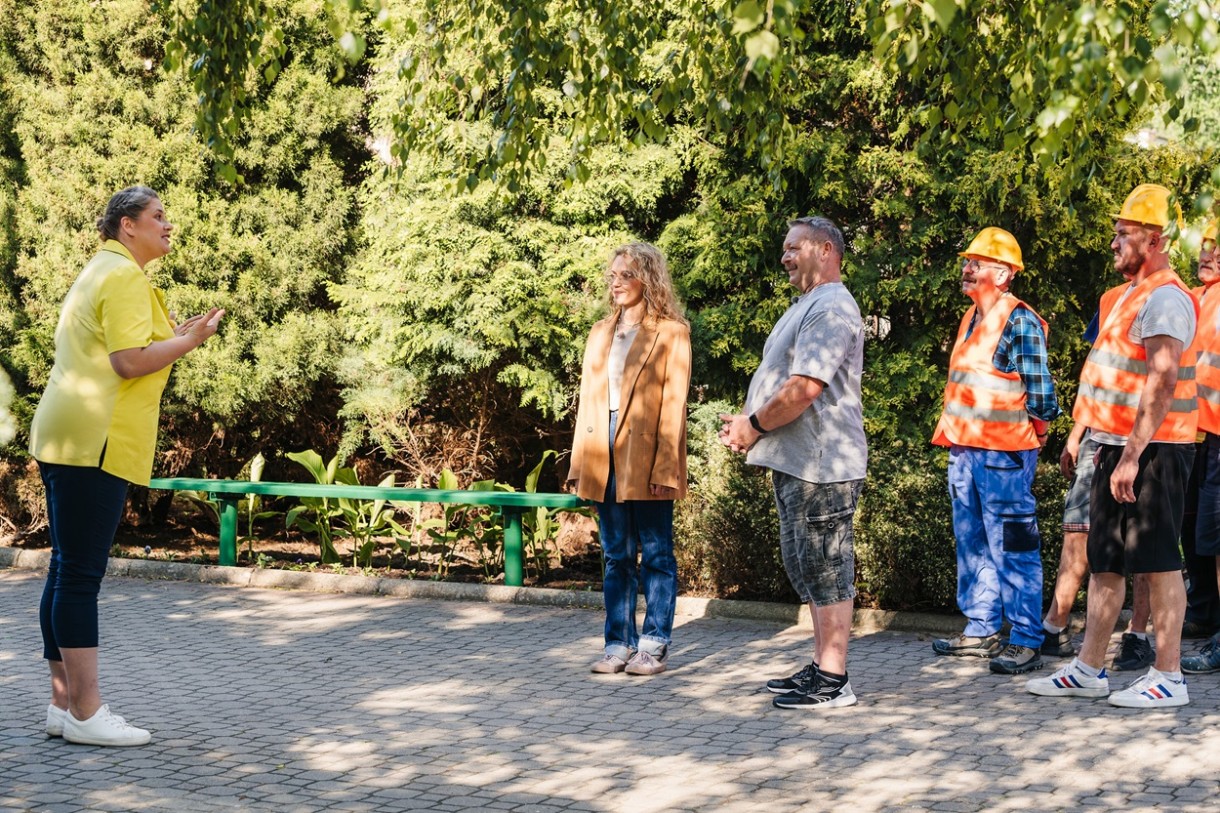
[[1115, 371], [1107, 303], [984, 407], [1207, 362]]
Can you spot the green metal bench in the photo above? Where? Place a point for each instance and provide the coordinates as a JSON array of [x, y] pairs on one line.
[[512, 505]]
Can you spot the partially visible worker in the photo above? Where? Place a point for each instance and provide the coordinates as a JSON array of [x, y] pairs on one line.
[[1201, 524]]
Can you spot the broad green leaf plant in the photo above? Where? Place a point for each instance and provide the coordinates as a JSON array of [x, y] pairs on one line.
[[331, 518]]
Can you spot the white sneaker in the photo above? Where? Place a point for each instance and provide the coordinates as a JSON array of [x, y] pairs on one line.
[[55, 720], [1070, 681], [103, 728], [1153, 690]]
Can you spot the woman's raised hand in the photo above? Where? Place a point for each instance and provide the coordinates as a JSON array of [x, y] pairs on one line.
[[202, 326]]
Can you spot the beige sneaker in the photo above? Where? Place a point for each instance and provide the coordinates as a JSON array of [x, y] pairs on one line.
[[645, 663], [103, 728], [609, 665]]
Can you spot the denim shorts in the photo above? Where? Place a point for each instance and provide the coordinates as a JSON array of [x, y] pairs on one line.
[[1076, 505], [817, 537]]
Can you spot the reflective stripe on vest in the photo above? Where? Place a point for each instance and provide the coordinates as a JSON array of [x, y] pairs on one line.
[[985, 408], [1207, 360], [1116, 370]]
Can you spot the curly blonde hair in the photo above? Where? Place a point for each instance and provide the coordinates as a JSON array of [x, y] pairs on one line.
[[648, 265]]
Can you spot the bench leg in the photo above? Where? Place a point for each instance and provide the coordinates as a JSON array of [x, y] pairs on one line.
[[514, 572], [228, 529]]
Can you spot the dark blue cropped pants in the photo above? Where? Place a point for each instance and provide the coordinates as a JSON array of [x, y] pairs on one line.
[[84, 506]]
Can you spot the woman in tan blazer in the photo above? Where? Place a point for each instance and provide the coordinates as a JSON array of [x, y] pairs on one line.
[[629, 452]]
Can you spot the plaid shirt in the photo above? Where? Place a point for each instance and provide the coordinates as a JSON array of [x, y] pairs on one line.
[[1022, 349]]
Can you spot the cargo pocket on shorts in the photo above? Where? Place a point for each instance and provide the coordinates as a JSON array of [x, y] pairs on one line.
[[826, 534], [1021, 533]]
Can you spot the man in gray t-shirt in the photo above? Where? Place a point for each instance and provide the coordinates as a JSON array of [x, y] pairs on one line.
[[803, 420], [1137, 393]]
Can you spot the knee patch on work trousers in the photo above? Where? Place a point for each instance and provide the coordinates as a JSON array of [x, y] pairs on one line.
[[1021, 533]]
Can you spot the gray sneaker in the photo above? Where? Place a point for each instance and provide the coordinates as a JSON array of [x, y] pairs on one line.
[[1016, 660], [1134, 654], [1208, 659], [965, 645]]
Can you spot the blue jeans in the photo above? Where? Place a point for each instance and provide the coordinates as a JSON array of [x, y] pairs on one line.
[[999, 563], [643, 528], [84, 506]]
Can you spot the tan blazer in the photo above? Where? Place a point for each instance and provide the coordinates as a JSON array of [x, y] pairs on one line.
[[650, 441]]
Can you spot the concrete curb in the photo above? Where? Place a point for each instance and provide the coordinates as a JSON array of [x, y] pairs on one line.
[[865, 621]]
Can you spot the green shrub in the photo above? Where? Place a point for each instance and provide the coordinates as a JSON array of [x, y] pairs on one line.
[[905, 550], [726, 530]]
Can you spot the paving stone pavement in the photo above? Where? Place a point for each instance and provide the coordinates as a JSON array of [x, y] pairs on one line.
[[267, 700]]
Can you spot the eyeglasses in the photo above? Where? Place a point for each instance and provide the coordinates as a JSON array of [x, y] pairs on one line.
[[980, 265], [625, 276]]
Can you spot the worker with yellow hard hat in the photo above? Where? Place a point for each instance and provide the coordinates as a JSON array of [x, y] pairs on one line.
[[998, 401], [1201, 528], [1137, 394]]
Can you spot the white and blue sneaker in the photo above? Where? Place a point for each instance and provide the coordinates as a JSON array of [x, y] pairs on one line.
[[1070, 681], [1153, 690]]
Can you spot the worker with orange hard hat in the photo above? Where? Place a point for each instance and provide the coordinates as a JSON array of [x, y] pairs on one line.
[[1201, 525], [1137, 393], [998, 401]]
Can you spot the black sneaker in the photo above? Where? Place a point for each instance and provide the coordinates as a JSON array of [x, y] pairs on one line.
[[1197, 629], [796, 682], [821, 694], [1058, 644], [1016, 660], [960, 645], [1134, 654]]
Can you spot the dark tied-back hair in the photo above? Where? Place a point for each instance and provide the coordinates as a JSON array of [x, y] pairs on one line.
[[129, 202]]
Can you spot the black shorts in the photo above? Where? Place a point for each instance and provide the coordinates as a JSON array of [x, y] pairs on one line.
[[1139, 537]]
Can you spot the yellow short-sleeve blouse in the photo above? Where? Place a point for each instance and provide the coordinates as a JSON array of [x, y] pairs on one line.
[[89, 415]]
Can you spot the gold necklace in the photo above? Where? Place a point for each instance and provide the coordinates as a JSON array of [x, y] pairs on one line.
[[623, 328]]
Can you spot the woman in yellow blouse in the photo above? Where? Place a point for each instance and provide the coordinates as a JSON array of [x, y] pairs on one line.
[[95, 431], [629, 453]]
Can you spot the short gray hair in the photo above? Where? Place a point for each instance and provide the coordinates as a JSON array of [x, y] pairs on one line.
[[823, 228], [129, 202]]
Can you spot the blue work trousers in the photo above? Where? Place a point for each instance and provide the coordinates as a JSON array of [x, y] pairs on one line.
[[999, 560]]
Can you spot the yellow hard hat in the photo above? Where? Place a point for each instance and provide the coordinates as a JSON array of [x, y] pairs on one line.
[[995, 244], [1210, 232], [1148, 204]]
